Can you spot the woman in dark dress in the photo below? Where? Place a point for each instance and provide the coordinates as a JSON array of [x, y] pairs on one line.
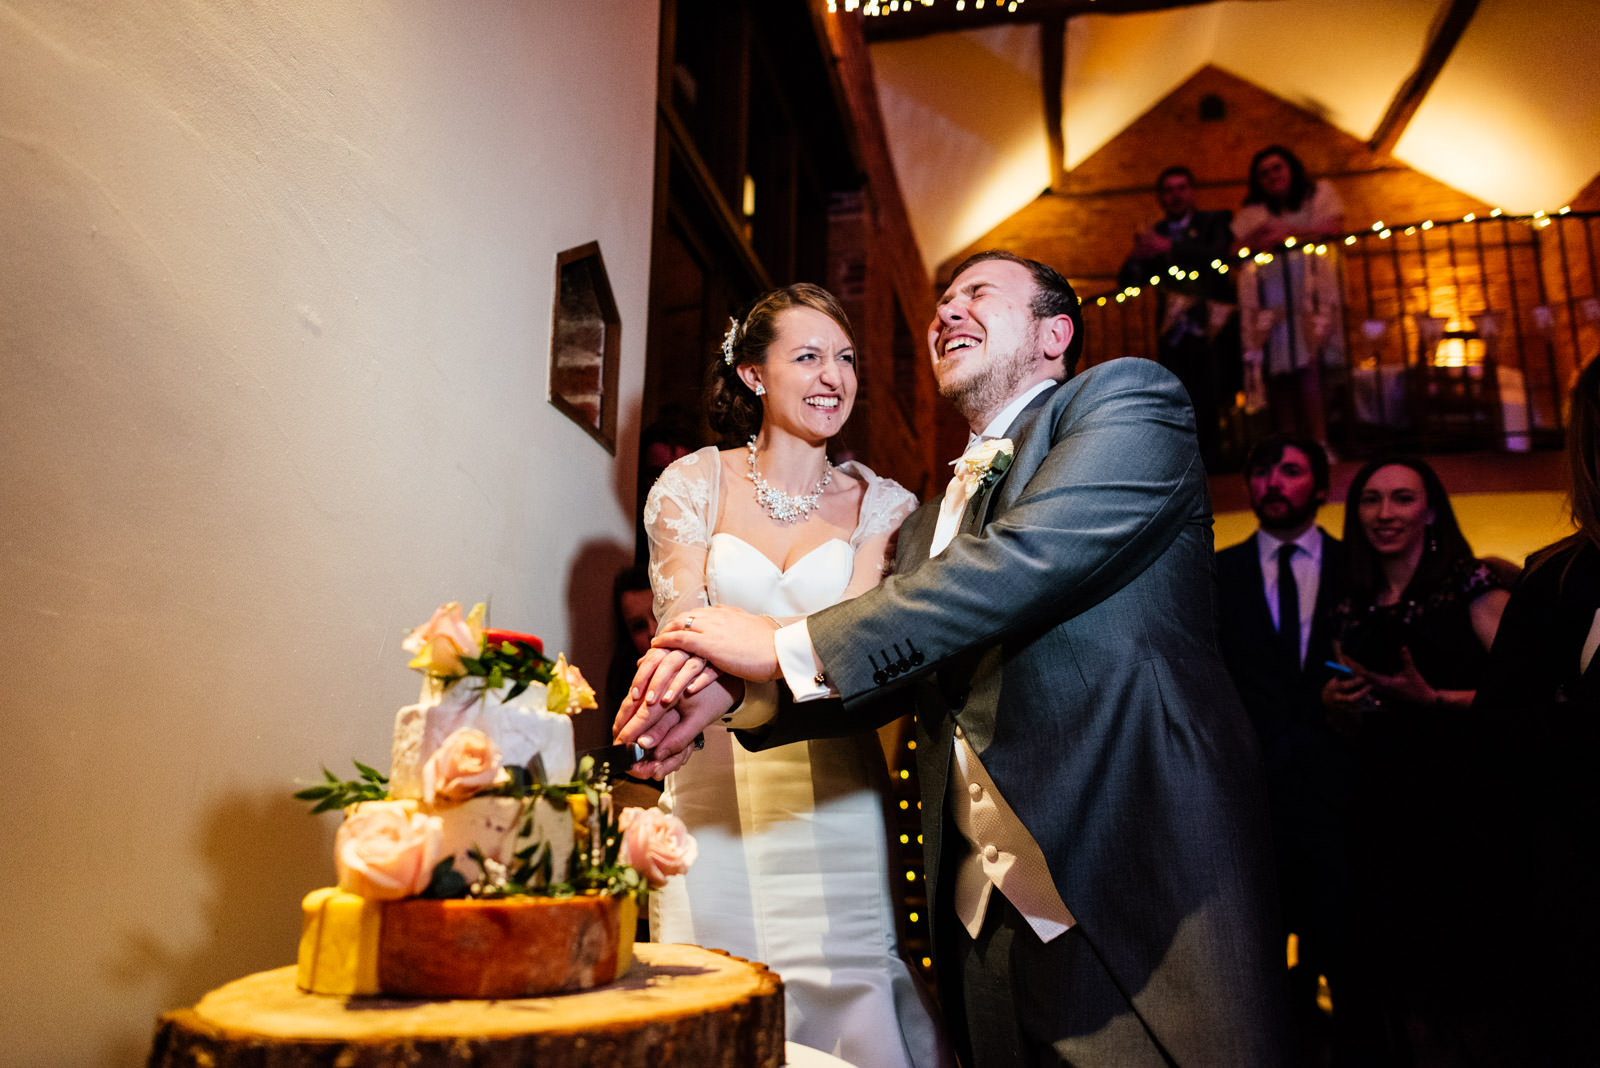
[[1419, 617], [1540, 703]]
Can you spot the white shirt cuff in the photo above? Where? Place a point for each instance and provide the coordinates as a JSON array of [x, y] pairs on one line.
[[760, 704], [799, 664]]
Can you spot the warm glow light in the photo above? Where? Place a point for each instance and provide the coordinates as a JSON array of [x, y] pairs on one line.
[[1496, 213], [1350, 240], [1468, 217], [1288, 242], [1428, 224], [1385, 234], [1101, 302]]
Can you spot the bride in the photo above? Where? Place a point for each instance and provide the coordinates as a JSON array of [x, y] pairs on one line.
[[793, 867]]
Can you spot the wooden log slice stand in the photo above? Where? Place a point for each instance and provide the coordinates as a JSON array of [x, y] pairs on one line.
[[680, 1006]]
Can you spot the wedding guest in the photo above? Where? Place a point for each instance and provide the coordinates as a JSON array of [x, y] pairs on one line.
[[1419, 615], [1291, 309], [1197, 337], [1278, 589], [1540, 702]]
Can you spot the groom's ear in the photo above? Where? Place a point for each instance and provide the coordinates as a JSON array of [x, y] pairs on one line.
[[1055, 334]]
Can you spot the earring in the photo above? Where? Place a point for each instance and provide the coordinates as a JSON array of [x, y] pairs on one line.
[[1433, 542], [761, 391]]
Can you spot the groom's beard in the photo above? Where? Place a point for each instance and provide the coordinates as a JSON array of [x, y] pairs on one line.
[[997, 382]]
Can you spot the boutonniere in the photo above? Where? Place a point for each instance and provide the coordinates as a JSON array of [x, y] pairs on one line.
[[985, 462]]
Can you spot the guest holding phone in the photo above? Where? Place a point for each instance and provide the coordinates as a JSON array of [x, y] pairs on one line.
[[1419, 616]]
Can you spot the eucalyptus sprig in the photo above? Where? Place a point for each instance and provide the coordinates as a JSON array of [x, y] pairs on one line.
[[373, 785]]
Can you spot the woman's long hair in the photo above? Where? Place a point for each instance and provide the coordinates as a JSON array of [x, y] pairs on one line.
[[1299, 183], [1583, 466], [1443, 547], [733, 410]]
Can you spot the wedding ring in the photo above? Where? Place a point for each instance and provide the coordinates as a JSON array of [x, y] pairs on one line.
[[688, 622]]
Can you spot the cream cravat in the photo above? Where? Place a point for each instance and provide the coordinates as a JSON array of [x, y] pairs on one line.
[[956, 496]]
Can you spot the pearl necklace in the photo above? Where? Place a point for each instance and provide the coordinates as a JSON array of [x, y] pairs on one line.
[[780, 505]]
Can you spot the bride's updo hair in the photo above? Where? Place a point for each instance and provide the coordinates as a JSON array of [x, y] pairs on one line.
[[732, 407]]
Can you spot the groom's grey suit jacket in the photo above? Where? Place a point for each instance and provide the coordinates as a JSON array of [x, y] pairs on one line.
[[1070, 630]]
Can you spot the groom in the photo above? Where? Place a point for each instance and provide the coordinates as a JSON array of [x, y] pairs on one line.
[[1096, 849]]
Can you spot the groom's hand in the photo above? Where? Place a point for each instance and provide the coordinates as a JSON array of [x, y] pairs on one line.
[[735, 641]]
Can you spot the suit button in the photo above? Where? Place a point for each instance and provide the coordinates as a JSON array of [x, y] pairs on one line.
[[903, 664], [917, 659], [991, 854], [880, 677], [975, 791]]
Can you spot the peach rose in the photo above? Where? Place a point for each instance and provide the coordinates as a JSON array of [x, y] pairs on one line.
[[441, 642], [386, 850], [658, 845], [467, 763]]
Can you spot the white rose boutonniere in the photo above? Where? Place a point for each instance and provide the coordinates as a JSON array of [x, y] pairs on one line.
[[980, 465]]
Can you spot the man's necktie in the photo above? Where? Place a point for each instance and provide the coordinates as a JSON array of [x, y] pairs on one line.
[[1288, 604]]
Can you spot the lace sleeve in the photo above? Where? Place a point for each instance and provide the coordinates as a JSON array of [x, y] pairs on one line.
[[884, 506], [678, 516]]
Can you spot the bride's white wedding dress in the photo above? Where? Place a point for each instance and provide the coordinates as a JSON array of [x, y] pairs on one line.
[[793, 869]]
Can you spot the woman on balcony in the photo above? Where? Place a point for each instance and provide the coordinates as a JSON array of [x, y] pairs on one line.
[[1291, 311]]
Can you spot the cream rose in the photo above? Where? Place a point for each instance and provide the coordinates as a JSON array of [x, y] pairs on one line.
[[386, 850], [658, 845], [441, 642], [568, 693], [466, 764]]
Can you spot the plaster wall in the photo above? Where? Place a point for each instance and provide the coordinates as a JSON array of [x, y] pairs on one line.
[[275, 305]]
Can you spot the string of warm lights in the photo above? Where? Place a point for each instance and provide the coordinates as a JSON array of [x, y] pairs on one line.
[[878, 8], [1538, 220]]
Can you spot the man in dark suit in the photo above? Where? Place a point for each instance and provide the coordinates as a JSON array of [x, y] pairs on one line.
[[1093, 820], [1198, 336], [1277, 590]]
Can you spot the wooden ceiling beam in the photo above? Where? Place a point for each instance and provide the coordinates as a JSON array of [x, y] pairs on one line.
[[916, 19], [1052, 79], [1447, 33]]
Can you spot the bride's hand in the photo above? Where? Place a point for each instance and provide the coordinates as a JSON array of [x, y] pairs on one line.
[[664, 677]]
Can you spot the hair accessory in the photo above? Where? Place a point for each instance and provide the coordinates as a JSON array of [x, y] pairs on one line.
[[780, 505], [727, 341], [761, 391]]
